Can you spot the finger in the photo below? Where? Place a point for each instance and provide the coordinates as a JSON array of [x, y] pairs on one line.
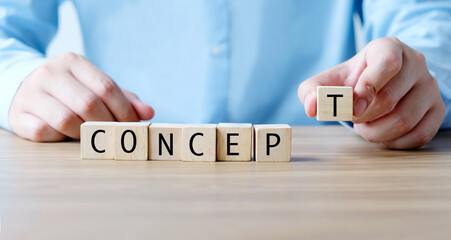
[[309, 101], [78, 98], [104, 87], [400, 121], [336, 76], [389, 95], [57, 115], [145, 112], [35, 129], [398, 87], [384, 59], [422, 133]]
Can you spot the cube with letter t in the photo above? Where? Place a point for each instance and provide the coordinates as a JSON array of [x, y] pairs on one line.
[[272, 143], [334, 103]]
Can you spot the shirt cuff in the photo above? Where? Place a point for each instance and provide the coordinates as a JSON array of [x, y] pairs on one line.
[[10, 80]]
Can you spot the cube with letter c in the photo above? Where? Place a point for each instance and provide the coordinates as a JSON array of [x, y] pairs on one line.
[[97, 140], [199, 142]]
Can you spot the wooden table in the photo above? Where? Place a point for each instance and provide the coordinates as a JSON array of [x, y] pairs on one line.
[[336, 187]]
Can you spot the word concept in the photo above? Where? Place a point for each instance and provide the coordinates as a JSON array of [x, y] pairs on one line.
[[186, 142], [334, 103]]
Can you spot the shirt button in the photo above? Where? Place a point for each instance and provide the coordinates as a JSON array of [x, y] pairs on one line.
[[216, 50]]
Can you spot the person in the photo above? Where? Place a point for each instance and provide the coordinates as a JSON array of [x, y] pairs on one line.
[[228, 61]]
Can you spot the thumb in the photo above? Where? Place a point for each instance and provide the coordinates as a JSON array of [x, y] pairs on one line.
[[144, 111], [340, 75], [307, 94]]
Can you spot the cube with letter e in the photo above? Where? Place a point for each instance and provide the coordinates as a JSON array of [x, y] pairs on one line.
[[234, 142]]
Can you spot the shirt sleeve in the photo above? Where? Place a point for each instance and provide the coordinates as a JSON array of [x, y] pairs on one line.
[[26, 29], [424, 26]]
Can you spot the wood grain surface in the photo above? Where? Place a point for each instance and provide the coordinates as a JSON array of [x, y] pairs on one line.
[[337, 187]]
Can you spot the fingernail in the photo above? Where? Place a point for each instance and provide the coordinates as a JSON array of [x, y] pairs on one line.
[[306, 103], [307, 107], [360, 107]]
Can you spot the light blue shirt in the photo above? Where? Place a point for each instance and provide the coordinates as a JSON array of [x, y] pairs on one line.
[[202, 61]]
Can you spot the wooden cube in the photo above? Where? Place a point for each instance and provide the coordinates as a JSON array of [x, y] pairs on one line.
[[199, 142], [97, 140], [234, 142], [334, 103], [272, 143], [131, 141], [165, 141]]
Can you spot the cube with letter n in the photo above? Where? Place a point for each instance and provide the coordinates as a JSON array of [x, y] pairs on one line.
[[165, 141]]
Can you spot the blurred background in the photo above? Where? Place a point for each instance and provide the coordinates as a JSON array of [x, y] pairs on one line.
[[69, 37]]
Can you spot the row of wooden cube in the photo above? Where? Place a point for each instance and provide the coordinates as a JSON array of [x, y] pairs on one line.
[[187, 142]]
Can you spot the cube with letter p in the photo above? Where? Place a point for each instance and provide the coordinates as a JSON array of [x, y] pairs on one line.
[[272, 143]]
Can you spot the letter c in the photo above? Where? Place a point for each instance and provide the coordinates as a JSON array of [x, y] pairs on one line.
[[191, 144], [93, 144]]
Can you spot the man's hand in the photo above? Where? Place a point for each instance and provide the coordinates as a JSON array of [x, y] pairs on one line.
[[59, 96], [396, 100]]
